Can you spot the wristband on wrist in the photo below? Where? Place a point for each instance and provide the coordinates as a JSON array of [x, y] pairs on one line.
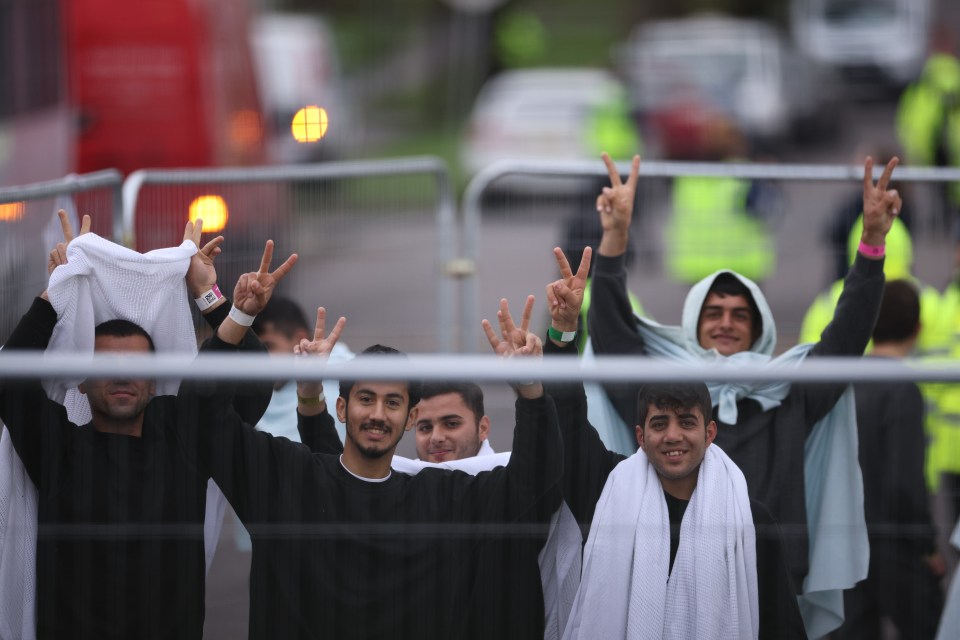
[[241, 318], [209, 299], [312, 402], [561, 336], [872, 250]]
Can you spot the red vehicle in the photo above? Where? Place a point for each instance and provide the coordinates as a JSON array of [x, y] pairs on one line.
[[96, 84], [161, 83]]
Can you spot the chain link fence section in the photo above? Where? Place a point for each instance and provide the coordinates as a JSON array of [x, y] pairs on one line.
[[29, 228], [374, 238]]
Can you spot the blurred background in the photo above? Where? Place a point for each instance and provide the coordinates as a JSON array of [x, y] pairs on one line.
[[295, 90]]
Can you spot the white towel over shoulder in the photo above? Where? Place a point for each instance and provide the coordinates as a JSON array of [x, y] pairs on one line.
[[627, 589]]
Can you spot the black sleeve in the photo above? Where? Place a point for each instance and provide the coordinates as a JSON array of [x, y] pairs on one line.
[[777, 595], [848, 332], [528, 487], [251, 467], [319, 433], [38, 426], [612, 327], [587, 462], [252, 398]]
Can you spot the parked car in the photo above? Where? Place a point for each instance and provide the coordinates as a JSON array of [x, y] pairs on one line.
[[684, 73], [297, 66], [538, 114], [866, 39]]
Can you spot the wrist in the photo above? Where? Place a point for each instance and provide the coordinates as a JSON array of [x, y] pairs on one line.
[[613, 243], [563, 336], [209, 299], [311, 400], [872, 249], [240, 317]]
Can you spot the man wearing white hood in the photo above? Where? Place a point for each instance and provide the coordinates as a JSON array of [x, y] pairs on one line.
[[765, 427]]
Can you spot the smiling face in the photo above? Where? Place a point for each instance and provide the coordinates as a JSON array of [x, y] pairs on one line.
[[118, 405], [447, 429], [726, 324], [376, 415], [675, 441]]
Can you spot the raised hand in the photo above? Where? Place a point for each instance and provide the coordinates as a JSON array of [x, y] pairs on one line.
[[255, 289], [201, 274], [513, 340], [565, 296], [880, 204], [615, 206], [516, 341], [58, 255], [320, 346]]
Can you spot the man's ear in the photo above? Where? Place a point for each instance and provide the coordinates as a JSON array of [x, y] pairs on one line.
[[412, 418], [639, 430], [711, 431], [484, 428], [82, 387], [341, 410]]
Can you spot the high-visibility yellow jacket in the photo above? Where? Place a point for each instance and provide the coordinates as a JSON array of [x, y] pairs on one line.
[[928, 116], [711, 229]]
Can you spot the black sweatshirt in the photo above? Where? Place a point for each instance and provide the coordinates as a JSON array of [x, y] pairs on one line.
[[120, 550]]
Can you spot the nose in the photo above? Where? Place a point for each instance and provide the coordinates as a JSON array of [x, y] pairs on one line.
[[437, 436], [673, 433], [377, 411]]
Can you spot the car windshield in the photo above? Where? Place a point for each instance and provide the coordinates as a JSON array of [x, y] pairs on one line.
[[859, 11], [695, 73]]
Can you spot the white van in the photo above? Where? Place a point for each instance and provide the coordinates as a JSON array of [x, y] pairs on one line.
[[297, 65], [886, 37]]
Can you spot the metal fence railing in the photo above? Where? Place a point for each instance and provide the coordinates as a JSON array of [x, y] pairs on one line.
[[374, 237], [29, 227], [514, 213]]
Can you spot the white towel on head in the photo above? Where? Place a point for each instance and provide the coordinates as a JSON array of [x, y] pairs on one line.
[[101, 281], [627, 589]]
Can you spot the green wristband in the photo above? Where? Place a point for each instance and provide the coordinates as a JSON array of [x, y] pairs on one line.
[[561, 336]]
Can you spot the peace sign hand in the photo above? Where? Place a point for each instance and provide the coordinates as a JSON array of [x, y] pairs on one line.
[[58, 255], [319, 346], [880, 204], [615, 206], [255, 289], [201, 274], [516, 342], [565, 296]]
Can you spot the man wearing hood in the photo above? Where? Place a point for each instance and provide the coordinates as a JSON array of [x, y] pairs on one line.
[[764, 428]]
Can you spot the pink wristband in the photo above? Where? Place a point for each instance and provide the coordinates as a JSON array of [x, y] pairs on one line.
[[872, 250]]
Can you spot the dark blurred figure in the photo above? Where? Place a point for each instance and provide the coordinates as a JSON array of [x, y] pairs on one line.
[[928, 119], [903, 581]]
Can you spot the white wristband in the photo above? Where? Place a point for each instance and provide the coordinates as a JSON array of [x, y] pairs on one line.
[[241, 318], [208, 299]]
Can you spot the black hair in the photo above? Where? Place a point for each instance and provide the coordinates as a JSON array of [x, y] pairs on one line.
[[674, 397], [471, 393], [899, 314], [413, 386], [119, 328], [286, 316], [727, 284]]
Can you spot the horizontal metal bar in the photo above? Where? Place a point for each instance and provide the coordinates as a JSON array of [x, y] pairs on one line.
[[479, 368], [106, 179]]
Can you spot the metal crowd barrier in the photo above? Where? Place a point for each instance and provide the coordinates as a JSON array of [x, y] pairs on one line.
[[547, 201], [29, 227], [371, 236]]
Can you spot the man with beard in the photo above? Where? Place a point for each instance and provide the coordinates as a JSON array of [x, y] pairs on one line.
[[345, 547]]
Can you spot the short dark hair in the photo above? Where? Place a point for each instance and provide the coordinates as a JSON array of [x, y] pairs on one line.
[[413, 386], [674, 397], [471, 393], [727, 284], [286, 316], [899, 312], [119, 328]]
